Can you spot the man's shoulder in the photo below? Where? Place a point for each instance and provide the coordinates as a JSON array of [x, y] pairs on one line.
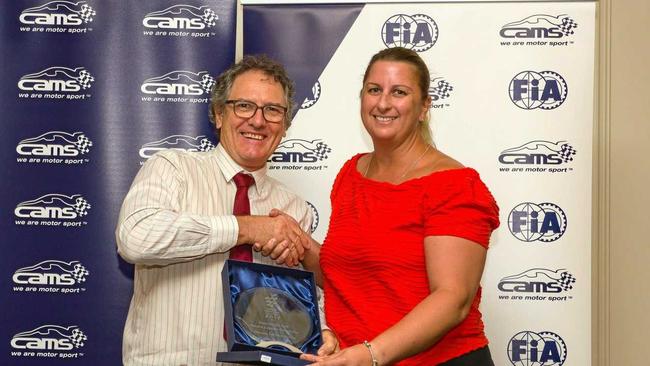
[[182, 157]]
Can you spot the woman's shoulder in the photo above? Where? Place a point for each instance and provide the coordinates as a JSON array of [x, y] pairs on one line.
[[347, 171], [449, 177], [458, 185], [352, 164]]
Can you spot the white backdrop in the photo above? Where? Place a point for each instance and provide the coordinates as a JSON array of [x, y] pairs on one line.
[[513, 97]]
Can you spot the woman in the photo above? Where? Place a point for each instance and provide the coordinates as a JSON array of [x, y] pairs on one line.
[[408, 235]]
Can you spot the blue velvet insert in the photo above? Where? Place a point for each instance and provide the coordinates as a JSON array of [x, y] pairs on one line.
[[299, 284]]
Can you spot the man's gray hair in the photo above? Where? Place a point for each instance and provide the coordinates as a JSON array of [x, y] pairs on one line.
[[223, 85]]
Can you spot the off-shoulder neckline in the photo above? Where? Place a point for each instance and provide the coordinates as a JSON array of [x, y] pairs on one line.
[[432, 175]]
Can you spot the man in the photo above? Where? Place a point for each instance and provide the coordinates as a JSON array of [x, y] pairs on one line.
[[178, 227]]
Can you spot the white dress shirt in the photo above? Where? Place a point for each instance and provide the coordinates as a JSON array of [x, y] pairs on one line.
[[176, 226]]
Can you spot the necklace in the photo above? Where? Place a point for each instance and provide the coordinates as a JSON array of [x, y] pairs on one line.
[[408, 168]]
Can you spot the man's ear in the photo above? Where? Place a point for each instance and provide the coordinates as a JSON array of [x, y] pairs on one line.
[[218, 118]]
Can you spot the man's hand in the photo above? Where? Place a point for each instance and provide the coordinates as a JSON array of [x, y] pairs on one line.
[[277, 235], [282, 253]]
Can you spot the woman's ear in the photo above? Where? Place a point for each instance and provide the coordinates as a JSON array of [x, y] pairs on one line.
[[425, 108]]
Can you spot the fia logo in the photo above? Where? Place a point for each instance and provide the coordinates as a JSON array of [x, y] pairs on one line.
[[176, 142], [545, 222], [529, 348], [418, 32], [58, 13], [313, 98], [538, 280], [181, 17], [540, 26], [50, 338], [52, 273], [57, 79], [539, 152], [315, 217], [179, 82], [544, 90]]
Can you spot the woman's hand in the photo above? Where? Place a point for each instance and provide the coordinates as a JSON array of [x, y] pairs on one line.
[[357, 355], [330, 344]]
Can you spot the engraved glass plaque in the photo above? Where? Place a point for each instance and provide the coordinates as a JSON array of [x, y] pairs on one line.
[[271, 314], [273, 318]]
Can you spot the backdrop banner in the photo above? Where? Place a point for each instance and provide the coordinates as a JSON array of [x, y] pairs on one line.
[[90, 90], [512, 90]]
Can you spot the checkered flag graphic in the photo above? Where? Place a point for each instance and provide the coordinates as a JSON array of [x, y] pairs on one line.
[[85, 79], [78, 337], [566, 281], [443, 89], [209, 17], [81, 206], [568, 25], [206, 82], [80, 272], [83, 144], [566, 152], [87, 13], [322, 150], [206, 145]]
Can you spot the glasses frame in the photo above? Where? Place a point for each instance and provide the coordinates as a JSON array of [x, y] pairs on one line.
[[263, 107]]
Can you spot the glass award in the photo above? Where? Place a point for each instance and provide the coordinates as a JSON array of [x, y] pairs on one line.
[[273, 318], [272, 314]]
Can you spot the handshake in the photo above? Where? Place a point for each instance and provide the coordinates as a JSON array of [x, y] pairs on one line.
[[277, 236]]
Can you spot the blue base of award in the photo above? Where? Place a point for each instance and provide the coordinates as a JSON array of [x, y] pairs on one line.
[[260, 358]]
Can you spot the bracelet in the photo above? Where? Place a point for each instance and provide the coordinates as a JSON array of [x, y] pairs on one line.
[[372, 354]]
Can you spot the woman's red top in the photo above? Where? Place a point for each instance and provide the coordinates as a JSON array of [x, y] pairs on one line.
[[373, 256]]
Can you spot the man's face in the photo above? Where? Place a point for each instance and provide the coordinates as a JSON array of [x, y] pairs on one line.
[[250, 141]]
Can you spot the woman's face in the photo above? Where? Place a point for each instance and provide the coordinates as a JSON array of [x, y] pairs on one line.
[[391, 101]]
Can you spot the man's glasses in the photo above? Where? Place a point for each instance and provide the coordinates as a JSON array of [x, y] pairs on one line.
[[245, 109]]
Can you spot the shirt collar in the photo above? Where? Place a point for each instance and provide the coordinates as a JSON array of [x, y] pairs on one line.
[[229, 168]]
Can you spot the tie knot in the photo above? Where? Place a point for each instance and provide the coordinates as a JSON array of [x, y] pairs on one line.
[[243, 180]]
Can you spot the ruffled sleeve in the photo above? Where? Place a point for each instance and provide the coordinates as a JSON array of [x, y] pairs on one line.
[[461, 206]]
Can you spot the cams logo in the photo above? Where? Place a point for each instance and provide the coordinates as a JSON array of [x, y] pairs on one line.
[[538, 284], [545, 222], [417, 32], [49, 341], [54, 147], [539, 30], [178, 86], [176, 142], [313, 98], [58, 17], [538, 156], [298, 154], [51, 276], [315, 217], [439, 90], [53, 210], [181, 21], [544, 90], [56, 83], [537, 349]]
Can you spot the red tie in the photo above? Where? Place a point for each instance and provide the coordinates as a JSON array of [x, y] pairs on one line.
[[242, 207]]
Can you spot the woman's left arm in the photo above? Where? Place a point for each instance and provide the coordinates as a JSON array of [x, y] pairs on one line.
[[454, 268]]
